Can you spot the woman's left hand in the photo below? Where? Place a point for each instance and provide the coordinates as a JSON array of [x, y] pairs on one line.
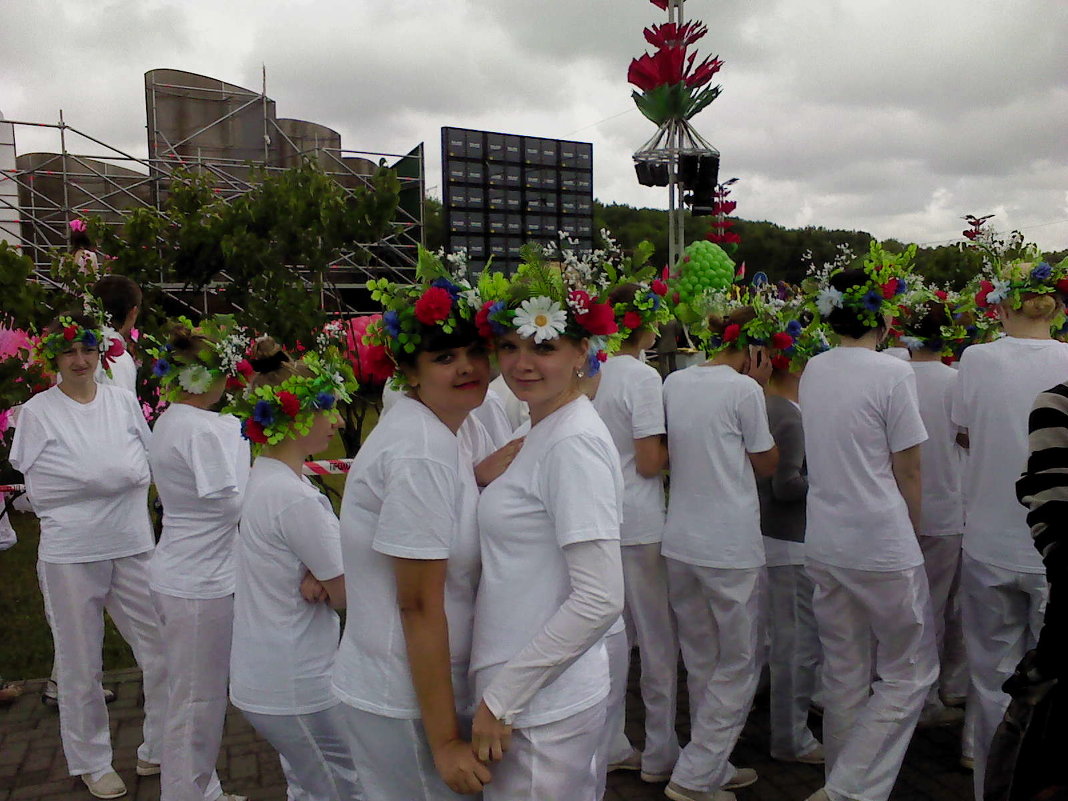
[[312, 590], [490, 738], [497, 462]]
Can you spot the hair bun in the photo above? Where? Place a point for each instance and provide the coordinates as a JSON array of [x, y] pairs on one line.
[[268, 364]]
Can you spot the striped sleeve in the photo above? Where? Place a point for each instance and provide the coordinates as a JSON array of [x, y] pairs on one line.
[[1043, 487]]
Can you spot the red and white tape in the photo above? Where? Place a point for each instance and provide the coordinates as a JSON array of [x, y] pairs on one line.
[[327, 467], [12, 487]]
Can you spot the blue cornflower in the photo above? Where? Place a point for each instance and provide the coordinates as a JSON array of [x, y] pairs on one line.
[[1042, 272], [873, 301], [161, 368], [448, 286], [902, 287], [263, 413], [496, 308], [89, 339], [325, 400], [655, 298], [392, 322], [793, 328]]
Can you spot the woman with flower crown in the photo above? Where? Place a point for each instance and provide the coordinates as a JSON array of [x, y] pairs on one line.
[[200, 465], [862, 436], [552, 581], [410, 546], [1003, 583], [83, 449], [719, 441], [630, 401], [288, 547]]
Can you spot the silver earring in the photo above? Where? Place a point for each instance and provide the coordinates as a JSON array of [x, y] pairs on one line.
[[580, 373]]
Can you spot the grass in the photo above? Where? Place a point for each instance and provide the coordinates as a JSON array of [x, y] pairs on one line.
[[27, 649]]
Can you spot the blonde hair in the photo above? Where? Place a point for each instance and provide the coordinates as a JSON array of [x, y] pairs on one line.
[[1039, 307], [279, 367]]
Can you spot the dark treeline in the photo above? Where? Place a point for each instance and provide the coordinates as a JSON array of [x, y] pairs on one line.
[[765, 246]]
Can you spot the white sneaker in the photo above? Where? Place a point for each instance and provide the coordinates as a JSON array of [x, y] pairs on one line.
[[109, 785], [743, 777], [146, 768]]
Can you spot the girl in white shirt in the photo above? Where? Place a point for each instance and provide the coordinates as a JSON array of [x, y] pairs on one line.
[[552, 581], [630, 400], [200, 465], [287, 546], [1003, 582], [82, 447], [862, 436], [410, 548], [718, 437]]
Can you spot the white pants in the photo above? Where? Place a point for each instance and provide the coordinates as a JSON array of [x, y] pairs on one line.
[[196, 642], [614, 745], [556, 761], [1003, 612], [941, 561], [75, 597], [719, 617], [651, 626], [393, 758], [793, 659], [867, 725], [316, 759]]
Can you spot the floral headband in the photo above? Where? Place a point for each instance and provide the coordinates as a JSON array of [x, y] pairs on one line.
[[1008, 282], [556, 292], [271, 414], [888, 276], [221, 354], [47, 347]]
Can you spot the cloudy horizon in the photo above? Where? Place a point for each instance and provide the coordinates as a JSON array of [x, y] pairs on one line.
[[890, 117]]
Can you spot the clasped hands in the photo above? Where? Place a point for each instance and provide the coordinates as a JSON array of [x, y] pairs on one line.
[[462, 765]]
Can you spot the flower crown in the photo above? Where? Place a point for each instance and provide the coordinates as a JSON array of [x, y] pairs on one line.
[[1008, 281], [221, 354], [440, 299], [649, 307], [46, 347], [888, 278], [556, 292], [270, 414], [953, 335]]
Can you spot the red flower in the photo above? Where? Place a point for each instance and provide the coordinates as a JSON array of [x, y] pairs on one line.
[[433, 306], [942, 295], [233, 382], [1062, 286], [245, 368], [780, 362], [781, 341], [370, 363], [665, 67], [70, 332], [602, 356], [254, 432], [985, 288], [890, 288], [290, 403], [661, 4], [600, 320], [732, 332], [724, 206], [669, 34], [115, 349], [696, 78], [579, 299], [659, 287], [632, 320], [485, 330]]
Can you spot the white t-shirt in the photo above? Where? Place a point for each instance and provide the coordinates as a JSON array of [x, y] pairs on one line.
[[518, 412], [494, 418], [859, 408], [941, 458], [565, 486], [200, 463], [715, 417], [410, 493], [997, 385], [87, 475], [283, 646], [630, 400]]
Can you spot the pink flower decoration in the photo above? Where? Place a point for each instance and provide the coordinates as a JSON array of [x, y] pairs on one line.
[[370, 363]]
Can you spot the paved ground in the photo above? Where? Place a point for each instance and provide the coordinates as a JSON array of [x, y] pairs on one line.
[[32, 767]]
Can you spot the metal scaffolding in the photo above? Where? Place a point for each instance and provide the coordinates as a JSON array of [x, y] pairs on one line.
[[54, 186]]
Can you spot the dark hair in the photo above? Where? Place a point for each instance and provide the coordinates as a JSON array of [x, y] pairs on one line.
[[120, 295], [272, 364], [433, 338], [76, 317], [847, 321], [626, 293], [718, 324], [929, 326], [185, 343], [79, 240]]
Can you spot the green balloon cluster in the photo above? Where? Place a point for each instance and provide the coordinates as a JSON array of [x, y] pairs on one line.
[[703, 266]]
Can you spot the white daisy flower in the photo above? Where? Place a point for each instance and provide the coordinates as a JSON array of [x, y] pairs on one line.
[[541, 318], [196, 378], [827, 300]]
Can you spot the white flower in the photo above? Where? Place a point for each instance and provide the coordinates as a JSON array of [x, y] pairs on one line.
[[196, 378], [999, 292], [540, 318], [912, 343], [827, 300], [472, 298]]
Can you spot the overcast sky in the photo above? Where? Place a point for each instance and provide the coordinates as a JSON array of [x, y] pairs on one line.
[[892, 116]]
